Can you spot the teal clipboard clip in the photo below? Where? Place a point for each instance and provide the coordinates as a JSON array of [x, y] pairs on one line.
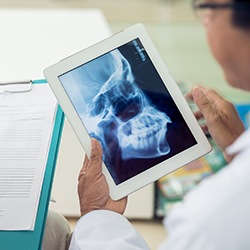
[[32, 240], [15, 87]]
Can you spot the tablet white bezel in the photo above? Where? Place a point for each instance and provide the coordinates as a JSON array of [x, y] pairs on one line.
[[137, 31]]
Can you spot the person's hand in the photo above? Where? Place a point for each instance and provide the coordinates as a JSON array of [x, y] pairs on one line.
[[93, 190], [222, 120]]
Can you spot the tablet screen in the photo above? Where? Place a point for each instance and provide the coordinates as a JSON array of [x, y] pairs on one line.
[[123, 102]]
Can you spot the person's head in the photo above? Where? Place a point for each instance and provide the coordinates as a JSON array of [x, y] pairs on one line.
[[227, 24]]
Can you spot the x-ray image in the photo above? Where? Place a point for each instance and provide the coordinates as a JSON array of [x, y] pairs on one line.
[[123, 102]]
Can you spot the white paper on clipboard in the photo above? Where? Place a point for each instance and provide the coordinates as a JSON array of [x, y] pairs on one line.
[[26, 124]]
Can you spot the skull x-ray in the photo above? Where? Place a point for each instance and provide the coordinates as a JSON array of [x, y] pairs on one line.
[[123, 102]]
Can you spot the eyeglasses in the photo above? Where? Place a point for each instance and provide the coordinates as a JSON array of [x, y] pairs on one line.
[[198, 4], [204, 10]]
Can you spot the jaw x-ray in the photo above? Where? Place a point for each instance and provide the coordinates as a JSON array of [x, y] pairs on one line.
[[122, 101]]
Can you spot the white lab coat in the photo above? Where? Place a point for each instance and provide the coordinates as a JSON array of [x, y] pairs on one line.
[[214, 216]]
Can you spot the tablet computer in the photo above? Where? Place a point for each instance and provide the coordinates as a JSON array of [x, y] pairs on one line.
[[120, 92]]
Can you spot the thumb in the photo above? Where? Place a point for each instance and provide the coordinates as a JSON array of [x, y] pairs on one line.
[[95, 159]]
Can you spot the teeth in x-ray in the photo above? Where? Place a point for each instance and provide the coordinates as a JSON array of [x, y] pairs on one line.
[[143, 138], [145, 147]]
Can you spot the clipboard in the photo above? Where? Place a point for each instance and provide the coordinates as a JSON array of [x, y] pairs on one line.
[[32, 240]]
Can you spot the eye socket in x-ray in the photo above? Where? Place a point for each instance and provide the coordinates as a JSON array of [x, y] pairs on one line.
[[123, 102]]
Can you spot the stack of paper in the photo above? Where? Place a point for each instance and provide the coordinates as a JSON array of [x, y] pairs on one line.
[[26, 124]]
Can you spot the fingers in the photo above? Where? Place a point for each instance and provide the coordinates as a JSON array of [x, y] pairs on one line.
[[189, 96], [210, 95], [201, 99], [211, 105], [205, 129], [198, 115]]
